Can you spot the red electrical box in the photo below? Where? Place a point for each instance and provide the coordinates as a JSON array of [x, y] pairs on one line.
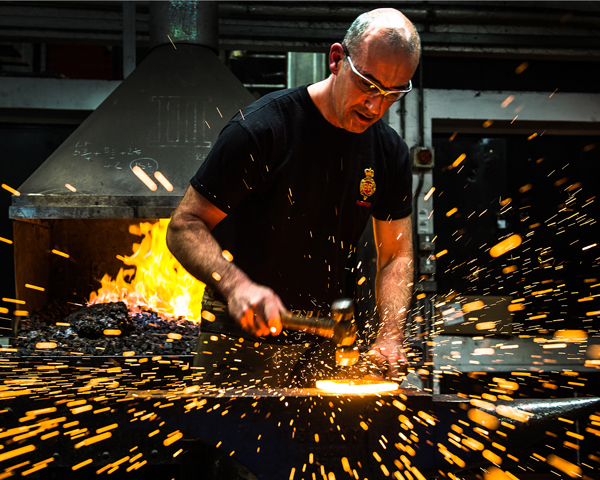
[[422, 157]]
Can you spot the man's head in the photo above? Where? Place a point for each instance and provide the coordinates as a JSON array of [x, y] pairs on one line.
[[378, 55]]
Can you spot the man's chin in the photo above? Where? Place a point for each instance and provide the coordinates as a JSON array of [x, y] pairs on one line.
[[357, 127]]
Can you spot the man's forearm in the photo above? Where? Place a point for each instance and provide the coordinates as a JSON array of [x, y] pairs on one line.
[[196, 249], [393, 289]]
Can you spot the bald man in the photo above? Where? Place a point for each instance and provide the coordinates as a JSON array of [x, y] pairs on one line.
[[288, 189]]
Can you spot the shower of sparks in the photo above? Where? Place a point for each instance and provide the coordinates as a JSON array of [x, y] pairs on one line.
[[163, 181], [143, 176]]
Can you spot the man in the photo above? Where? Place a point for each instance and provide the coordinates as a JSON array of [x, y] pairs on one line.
[[288, 189]]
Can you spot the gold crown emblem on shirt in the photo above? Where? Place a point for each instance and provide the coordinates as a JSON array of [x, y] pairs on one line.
[[367, 184]]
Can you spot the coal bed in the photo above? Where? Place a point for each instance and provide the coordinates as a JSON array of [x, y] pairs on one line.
[[106, 329]]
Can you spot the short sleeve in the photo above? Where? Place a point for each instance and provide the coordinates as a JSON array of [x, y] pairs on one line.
[[396, 202], [231, 170]]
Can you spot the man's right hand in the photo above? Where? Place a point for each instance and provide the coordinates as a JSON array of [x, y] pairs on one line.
[[256, 308]]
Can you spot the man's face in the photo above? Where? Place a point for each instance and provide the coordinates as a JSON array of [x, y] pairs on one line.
[[356, 106]]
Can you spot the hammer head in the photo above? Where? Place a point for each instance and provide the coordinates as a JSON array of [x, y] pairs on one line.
[[342, 309], [344, 332], [346, 355]]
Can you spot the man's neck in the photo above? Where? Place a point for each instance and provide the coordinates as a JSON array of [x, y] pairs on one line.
[[320, 94]]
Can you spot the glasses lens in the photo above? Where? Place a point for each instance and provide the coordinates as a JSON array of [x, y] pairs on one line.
[[393, 97]]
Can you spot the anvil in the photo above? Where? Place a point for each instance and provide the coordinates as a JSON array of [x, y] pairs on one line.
[[102, 421]]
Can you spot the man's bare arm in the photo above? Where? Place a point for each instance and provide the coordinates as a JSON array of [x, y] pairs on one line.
[[393, 287], [256, 307]]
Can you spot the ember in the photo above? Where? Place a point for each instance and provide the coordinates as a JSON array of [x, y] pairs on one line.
[[92, 331]]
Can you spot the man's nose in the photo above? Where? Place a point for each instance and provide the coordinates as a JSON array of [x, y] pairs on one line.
[[375, 104]]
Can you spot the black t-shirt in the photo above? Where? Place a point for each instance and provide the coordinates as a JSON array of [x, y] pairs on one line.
[[298, 193]]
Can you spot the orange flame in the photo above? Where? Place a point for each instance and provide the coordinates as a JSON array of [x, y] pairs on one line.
[[157, 282]]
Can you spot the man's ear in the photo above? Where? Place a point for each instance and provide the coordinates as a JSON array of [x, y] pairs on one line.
[[336, 57]]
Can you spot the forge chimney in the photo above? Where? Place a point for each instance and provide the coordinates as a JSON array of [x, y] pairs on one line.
[[131, 159]]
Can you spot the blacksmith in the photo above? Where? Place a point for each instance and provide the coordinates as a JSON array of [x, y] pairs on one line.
[[288, 189]]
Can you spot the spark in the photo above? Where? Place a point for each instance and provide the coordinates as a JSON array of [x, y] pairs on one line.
[[143, 176], [532, 136], [590, 246], [172, 42], [507, 101], [11, 190], [70, 187], [453, 136], [12, 300], [208, 316], [506, 245], [521, 68], [6, 240], [111, 332], [216, 276], [227, 255], [439, 254], [34, 287], [555, 345], [564, 466], [219, 112], [458, 161], [17, 452], [163, 181], [451, 212], [488, 123], [62, 254], [552, 94], [429, 194], [513, 120]]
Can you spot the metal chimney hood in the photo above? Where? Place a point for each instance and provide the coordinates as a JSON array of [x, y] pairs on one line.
[[163, 118]]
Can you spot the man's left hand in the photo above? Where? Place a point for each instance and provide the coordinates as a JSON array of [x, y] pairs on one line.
[[389, 355]]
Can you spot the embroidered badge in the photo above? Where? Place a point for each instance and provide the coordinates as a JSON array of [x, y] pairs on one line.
[[367, 184]]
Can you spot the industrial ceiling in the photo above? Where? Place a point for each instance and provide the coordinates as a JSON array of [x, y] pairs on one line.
[[510, 29]]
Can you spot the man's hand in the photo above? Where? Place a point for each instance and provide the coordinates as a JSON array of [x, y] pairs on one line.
[[256, 308], [390, 356]]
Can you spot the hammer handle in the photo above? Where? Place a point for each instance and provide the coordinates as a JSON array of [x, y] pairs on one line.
[[322, 327]]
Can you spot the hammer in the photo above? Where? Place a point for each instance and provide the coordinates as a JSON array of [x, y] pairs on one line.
[[339, 328]]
